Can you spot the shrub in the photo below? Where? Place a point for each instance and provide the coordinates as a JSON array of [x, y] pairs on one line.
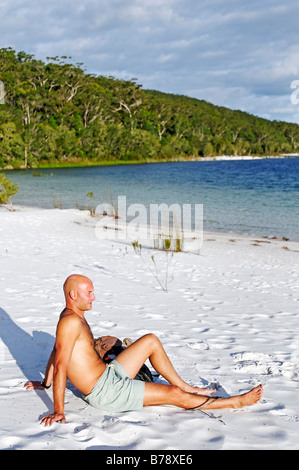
[[7, 190]]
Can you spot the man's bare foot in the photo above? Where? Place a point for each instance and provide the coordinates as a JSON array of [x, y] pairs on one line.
[[238, 401], [249, 398]]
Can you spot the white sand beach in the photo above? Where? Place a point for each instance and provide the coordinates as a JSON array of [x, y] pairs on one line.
[[229, 320]]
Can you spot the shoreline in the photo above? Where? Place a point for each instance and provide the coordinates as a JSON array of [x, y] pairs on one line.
[[84, 164], [119, 225]]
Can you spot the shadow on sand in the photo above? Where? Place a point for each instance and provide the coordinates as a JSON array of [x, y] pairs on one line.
[[31, 353]]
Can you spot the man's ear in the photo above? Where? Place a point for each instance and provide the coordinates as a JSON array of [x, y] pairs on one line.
[[73, 294]]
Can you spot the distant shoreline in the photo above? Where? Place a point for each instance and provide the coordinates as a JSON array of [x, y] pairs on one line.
[[249, 157], [88, 163]]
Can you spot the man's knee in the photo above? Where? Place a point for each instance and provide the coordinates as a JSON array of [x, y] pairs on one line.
[[152, 338], [151, 344]]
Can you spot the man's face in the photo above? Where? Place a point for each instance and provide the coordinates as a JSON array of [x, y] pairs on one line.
[[85, 296]]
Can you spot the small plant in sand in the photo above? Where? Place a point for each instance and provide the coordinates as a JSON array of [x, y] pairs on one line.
[[90, 197], [175, 240], [57, 202], [109, 209], [7, 190], [163, 283]]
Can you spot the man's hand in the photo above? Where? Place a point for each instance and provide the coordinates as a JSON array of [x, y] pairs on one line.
[[52, 418], [34, 385]]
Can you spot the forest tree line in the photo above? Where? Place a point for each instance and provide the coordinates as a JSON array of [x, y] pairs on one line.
[[56, 113]]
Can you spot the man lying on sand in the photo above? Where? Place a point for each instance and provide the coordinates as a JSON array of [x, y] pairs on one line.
[[112, 387]]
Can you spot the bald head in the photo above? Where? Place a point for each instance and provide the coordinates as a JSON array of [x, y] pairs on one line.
[[78, 292], [73, 282]]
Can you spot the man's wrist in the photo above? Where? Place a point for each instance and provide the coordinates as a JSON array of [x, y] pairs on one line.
[[44, 385]]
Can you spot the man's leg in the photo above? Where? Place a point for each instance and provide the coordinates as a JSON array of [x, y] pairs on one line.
[[179, 393], [150, 347], [159, 394]]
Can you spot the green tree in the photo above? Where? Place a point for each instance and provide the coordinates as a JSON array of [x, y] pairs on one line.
[[55, 112], [11, 145], [7, 190]]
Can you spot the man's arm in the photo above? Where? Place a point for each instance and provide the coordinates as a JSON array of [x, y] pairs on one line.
[[36, 384], [68, 331], [50, 369]]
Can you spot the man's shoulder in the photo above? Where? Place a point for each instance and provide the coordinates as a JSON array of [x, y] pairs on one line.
[[67, 312], [68, 316]]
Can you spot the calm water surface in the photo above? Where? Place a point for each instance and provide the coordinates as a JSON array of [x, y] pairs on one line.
[[250, 197]]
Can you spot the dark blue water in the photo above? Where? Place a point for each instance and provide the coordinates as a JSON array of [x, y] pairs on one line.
[[255, 197]]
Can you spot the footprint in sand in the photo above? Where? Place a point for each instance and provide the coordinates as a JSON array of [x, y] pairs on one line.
[[124, 431], [10, 443], [107, 324], [264, 364], [83, 432], [284, 413], [200, 346]]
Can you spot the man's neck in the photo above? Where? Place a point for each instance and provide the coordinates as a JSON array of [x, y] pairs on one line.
[[75, 310]]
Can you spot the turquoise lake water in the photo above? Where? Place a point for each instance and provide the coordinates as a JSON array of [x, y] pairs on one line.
[[248, 197]]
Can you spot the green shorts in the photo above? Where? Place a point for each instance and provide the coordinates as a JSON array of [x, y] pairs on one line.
[[115, 391]]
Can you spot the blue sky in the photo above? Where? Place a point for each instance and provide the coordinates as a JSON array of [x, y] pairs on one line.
[[242, 54]]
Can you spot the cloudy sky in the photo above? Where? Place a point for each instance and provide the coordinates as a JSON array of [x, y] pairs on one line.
[[242, 54]]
